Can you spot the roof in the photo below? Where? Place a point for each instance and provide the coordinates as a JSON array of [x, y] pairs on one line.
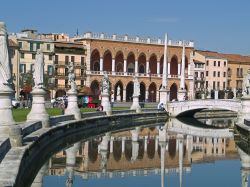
[[229, 57], [236, 58], [212, 54], [12, 43]]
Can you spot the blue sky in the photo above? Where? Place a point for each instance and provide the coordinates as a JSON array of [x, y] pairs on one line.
[[220, 25]]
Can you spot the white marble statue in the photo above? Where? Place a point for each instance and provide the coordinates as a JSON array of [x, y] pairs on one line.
[[5, 72], [39, 70], [105, 84], [246, 84], [71, 76], [118, 93], [136, 87]]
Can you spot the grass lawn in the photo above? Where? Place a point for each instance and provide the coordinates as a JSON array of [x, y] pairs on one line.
[[20, 114]]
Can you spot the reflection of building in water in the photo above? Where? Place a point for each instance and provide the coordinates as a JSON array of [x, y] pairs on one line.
[[139, 152]]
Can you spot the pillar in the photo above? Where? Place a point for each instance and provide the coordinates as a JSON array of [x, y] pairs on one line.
[[147, 67], [146, 143], [136, 67], [125, 67], [113, 66], [101, 64], [180, 138], [124, 95], [123, 144], [158, 68]]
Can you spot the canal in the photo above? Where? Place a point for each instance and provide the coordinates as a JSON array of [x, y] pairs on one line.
[[182, 152]]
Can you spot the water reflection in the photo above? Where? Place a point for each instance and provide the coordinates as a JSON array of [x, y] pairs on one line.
[[146, 151]]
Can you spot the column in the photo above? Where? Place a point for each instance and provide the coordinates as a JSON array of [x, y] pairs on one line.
[[113, 66], [163, 152], [124, 95], [156, 143], [146, 97], [179, 69], [182, 91], [180, 138], [147, 67], [101, 64], [164, 92], [125, 67], [136, 67], [123, 144], [111, 144], [146, 144], [169, 67], [182, 83], [158, 68]]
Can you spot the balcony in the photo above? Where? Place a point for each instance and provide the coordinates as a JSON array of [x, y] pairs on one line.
[[199, 79]]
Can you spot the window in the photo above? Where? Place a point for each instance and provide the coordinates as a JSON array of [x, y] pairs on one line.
[[239, 84], [48, 47], [224, 85], [218, 74], [22, 55], [33, 56], [20, 44], [82, 61], [50, 70], [50, 57], [66, 71], [72, 58], [202, 74], [225, 63], [218, 85], [56, 59], [219, 63], [66, 82], [239, 72], [214, 73], [22, 68], [66, 60], [207, 62], [214, 63], [206, 84], [38, 46], [82, 82], [207, 73], [31, 46], [32, 68], [214, 85], [224, 74]]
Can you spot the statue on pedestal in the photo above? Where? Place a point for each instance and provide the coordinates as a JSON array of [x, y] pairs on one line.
[[72, 76], [118, 91], [246, 84], [136, 87], [5, 73], [39, 70], [105, 84]]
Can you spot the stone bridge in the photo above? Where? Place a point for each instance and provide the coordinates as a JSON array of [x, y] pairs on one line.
[[188, 108]]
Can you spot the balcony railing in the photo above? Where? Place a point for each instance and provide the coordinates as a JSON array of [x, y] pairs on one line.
[[199, 79], [134, 39]]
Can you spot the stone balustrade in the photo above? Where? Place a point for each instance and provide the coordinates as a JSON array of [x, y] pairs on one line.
[[134, 39]]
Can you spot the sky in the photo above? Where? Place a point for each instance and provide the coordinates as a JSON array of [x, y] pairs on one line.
[[217, 25]]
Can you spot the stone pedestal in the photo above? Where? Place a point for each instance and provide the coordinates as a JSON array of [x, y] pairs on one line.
[[118, 98], [135, 105], [106, 104], [245, 109], [216, 94], [202, 96], [164, 96], [7, 123], [181, 95], [72, 107], [38, 111]]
